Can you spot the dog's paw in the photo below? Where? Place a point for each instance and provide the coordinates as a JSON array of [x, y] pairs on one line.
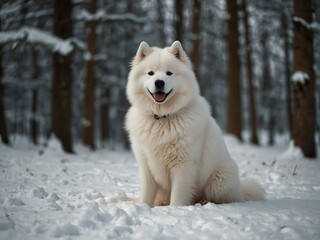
[[121, 196], [203, 202]]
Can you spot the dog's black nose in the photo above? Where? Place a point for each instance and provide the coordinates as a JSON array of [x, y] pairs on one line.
[[159, 83]]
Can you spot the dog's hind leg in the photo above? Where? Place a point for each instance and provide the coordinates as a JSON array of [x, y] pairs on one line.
[[224, 186]]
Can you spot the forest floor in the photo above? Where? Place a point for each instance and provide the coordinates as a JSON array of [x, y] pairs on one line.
[[47, 194]]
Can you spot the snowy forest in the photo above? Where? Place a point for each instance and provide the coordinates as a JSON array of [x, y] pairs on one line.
[[64, 66]]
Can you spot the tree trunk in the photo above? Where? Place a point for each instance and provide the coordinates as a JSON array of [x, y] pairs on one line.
[[161, 28], [34, 122], [161, 21], [104, 114], [62, 78], [34, 126], [234, 124], [124, 103], [267, 98], [124, 106], [179, 20], [3, 123], [286, 46], [21, 121], [89, 107], [252, 98], [304, 123], [196, 40], [271, 125]]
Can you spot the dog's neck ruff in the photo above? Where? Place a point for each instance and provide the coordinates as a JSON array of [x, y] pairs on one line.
[[157, 117]]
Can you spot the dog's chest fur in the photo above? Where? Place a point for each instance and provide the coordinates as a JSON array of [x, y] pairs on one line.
[[166, 143]]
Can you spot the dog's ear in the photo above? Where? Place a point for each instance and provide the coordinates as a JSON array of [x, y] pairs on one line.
[[177, 50], [143, 51]]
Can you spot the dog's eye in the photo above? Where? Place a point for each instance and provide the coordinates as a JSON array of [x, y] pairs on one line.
[[169, 73], [150, 73]]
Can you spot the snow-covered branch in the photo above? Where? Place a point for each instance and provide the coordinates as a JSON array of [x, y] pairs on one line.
[[307, 25], [38, 14], [36, 36], [8, 11], [102, 16]]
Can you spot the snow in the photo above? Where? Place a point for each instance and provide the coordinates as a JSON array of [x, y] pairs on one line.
[[38, 193], [310, 26], [37, 36], [47, 194], [103, 16], [300, 77]]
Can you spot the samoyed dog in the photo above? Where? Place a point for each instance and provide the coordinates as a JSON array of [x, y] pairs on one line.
[[179, 147]]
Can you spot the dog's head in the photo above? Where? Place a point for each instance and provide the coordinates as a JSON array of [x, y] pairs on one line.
[[161, 80]]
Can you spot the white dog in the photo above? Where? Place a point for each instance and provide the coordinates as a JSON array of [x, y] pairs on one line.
[[180, 150]]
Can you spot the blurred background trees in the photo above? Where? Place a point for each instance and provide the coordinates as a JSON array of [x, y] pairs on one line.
[[64, 66]]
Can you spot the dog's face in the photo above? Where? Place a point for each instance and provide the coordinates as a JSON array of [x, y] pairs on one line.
[[161, 80]]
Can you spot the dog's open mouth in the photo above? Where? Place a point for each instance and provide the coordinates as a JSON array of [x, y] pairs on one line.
[[160, 96]]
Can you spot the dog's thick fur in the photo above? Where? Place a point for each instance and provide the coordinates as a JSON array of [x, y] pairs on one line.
[[180, 150]]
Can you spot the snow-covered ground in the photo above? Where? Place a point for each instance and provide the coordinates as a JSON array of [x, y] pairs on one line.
[[47, 194]]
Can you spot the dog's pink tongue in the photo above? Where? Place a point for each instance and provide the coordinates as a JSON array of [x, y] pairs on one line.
[[159, 96]]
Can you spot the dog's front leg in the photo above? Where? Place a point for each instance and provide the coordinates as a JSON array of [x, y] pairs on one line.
[[147, 185], [183, 184]]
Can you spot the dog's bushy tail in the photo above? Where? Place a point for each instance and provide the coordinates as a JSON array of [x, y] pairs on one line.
[[252, 191]]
